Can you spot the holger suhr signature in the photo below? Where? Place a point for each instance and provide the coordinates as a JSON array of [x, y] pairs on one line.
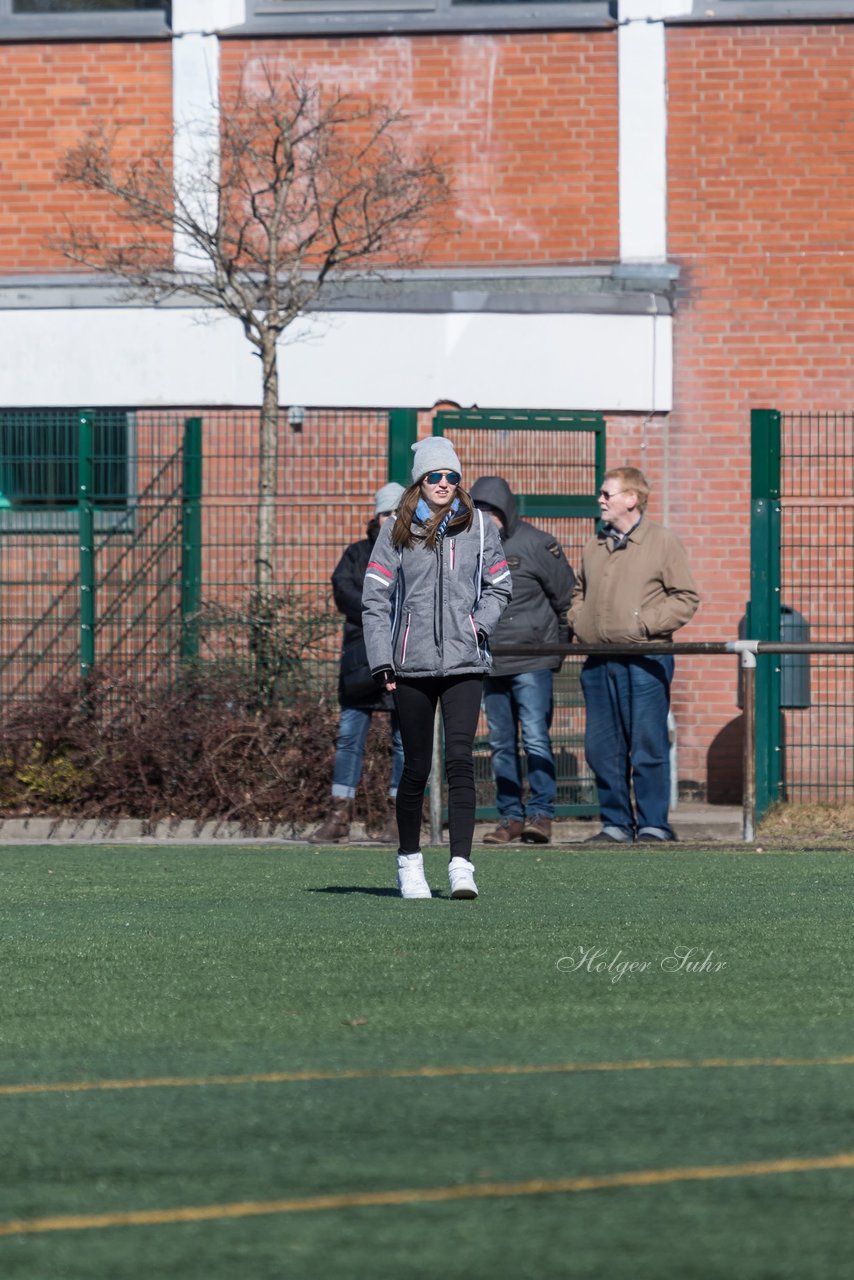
[[680, 959]]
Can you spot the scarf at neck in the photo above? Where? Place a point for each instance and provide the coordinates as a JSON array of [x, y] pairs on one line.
[[423, 513]]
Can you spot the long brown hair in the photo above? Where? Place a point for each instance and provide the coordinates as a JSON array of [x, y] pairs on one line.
[[401, 534]]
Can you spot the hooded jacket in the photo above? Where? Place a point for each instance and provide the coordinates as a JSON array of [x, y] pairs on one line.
[[347, 582], [542, 583], [422, 609]]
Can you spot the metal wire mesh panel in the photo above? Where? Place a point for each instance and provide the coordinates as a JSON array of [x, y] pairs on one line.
[[552, 462], [130, 564], [330, 464], [817, 594], [173, 570]]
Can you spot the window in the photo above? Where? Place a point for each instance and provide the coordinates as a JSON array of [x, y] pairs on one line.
[[83, 6], [70, 19], [39, 459], [365, 6], [272, 16]]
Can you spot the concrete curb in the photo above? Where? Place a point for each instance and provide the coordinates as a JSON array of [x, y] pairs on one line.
[[692, 824]]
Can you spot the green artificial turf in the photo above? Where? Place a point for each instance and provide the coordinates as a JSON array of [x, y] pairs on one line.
[[140, 964]]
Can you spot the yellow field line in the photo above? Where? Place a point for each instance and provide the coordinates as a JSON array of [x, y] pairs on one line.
[[423, 1195], [421, 1073]]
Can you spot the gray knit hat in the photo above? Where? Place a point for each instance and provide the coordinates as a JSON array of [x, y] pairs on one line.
[[434, 454], [387, 498]]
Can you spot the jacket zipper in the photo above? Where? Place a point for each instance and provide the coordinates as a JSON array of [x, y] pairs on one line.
[[438, 623], [405, 639]]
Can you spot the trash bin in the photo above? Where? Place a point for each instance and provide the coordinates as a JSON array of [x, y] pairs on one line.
[[794, 667]]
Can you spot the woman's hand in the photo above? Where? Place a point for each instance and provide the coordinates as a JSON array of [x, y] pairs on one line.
[[386, 678]]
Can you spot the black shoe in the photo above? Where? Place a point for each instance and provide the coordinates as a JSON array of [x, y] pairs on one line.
[[649, 837], [602, 837]]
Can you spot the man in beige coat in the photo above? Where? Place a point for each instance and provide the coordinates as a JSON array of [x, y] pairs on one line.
[[635, 584]]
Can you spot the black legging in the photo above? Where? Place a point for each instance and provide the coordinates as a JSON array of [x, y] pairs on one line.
[[416, 709]]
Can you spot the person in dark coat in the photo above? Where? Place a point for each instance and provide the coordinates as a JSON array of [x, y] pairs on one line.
[[518, 692], [359, 694]]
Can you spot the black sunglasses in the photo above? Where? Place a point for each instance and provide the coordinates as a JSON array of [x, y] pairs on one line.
[[436, 477]]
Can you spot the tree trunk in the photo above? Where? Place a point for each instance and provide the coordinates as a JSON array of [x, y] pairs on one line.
[[263, 605], [268, 457]]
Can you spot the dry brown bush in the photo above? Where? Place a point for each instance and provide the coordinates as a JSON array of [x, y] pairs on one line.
[[200, 749]]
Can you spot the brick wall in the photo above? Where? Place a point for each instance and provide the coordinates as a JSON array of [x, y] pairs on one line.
[[527, 124], [51, 93], [761, 176], [761, 192]]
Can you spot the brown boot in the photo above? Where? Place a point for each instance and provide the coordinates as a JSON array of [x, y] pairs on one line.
[[508, 831], [386, 832], [537, 831], [335, 829]]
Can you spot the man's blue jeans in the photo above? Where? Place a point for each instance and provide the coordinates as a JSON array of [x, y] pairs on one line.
[[524, 702], [350, 752], [625, 742]]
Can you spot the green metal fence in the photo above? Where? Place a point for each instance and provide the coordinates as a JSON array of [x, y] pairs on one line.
[[90, 545], [129, 540], [802, 589]]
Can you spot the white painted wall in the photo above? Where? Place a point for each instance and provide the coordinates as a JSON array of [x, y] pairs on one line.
[[207, 15], [195, 112], [643, 127], [148, 357], [195, 145]]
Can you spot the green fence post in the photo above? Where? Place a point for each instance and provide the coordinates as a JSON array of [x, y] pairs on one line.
[[191, 538], [402, 434], [599, 461], [86, 537], [763, 611]]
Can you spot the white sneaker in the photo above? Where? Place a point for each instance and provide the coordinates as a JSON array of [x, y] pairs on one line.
[[410, 876], [461, 877]]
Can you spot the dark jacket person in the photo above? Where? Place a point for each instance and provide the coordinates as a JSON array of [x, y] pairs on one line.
[[359, 694], [518, 693]]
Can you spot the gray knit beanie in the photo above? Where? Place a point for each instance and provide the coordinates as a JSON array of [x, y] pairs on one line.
[[436, 453], [387, 498]]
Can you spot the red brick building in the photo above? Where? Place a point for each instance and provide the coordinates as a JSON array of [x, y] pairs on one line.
[[653, 220]]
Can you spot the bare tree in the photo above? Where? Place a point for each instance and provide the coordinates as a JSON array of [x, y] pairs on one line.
[[291, 189]]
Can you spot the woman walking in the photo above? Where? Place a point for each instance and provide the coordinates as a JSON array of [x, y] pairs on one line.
[[436, 585]]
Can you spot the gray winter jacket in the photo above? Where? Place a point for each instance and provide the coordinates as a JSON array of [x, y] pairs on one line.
[[422, 609], [542, 583]]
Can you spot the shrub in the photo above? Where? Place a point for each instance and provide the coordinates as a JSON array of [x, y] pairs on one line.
[[200, 749], [51, 779]]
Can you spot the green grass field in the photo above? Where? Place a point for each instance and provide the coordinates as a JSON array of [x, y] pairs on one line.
[[259, 1062]]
